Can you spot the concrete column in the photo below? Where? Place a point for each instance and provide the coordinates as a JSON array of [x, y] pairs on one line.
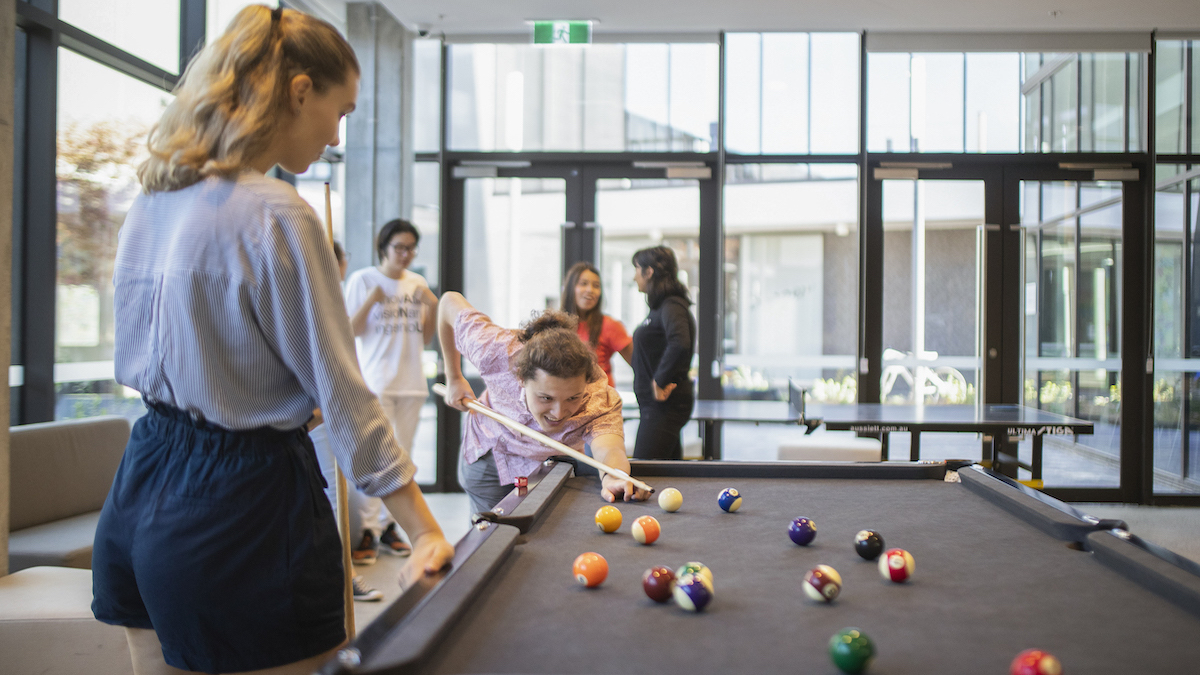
[[378, 134], [8, 19]]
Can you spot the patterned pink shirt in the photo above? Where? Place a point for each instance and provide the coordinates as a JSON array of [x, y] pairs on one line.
[[491, 349]]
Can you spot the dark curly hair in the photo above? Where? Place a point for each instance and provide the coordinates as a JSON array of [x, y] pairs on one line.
[[551, 344]]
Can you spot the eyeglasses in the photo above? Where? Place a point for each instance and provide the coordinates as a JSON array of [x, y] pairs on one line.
[[401, 248]]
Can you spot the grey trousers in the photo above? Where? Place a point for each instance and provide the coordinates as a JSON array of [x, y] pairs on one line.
[[481, 482]]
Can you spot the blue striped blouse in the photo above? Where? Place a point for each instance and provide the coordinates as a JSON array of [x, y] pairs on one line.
[[228, 307]]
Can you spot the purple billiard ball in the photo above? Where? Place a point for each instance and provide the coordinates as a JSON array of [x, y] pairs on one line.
[[693, 592], [802, 531]]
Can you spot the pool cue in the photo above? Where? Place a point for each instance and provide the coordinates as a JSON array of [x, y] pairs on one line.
[[343, 496], [440, 390]]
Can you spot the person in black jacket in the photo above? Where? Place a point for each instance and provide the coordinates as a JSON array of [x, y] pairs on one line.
[[662, 353]]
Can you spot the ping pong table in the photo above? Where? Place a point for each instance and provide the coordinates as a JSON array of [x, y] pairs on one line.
[[999, 423]]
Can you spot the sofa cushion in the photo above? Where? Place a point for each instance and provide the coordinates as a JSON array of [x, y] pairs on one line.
[[63, 469], [62, 543], [47, 627]]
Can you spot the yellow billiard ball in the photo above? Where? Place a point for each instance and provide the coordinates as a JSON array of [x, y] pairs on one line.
[[608, 519]]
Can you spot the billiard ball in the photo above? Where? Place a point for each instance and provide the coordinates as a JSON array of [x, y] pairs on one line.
[[822, 583], [693, 592], [730, 499], [590, 569], [659, 583], [670, 500], [851, 650], [1035, 662], [896, 565], [802, 531], [868, 544], [608, 519], [645, 530], [695, 568]]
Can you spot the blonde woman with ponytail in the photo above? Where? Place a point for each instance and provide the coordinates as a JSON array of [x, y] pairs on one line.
[[217, 549]]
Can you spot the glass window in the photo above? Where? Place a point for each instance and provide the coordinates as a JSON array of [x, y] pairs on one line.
[[145, 28], [427, 95], [1195, 104], [889, 103], [647, 97], [789, 274], [946, 102], [791, 93], [103, 118], [1171, 109], [993, 83], [427, 216]]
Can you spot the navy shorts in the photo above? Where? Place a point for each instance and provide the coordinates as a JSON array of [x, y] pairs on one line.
[[223, 543]]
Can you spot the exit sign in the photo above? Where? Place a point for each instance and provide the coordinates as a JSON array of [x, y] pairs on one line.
[[562, 32]]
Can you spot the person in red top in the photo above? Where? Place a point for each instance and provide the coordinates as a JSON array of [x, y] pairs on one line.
[[583, 297]]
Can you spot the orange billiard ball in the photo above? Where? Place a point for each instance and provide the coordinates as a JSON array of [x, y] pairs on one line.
[[590, 569], [646, 530]]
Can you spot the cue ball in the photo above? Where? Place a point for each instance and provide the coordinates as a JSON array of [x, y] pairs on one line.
[[695, 568], [1035, 662], [590, 569], [645, 530], [802, 531], [868, 544], [729, 499], [851, 650], [608, 519], [659, 583], [896, 565], [822, 583], [693, 592], [670, 500]]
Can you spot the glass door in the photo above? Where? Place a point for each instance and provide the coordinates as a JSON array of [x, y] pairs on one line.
[[932, 251], [1072, 324], [632, 214]]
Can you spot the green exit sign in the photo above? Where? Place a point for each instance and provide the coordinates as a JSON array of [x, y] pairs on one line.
[[562, 32]]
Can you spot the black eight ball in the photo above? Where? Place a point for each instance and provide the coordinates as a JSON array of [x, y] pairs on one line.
[[868, 544]]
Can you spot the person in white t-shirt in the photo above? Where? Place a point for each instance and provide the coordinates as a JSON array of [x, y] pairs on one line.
[[393, 314]]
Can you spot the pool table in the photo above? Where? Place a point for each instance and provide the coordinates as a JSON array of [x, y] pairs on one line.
[[999, 568]]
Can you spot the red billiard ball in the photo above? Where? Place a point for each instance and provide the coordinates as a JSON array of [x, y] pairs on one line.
[[896, 565], [1035, 662], [590, 569], [658, 582], [645, 530]]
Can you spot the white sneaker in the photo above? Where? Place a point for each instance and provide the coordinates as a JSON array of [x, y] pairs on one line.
[[363, 592]]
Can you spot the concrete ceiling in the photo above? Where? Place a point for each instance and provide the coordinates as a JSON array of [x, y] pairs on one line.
[[467, 17]]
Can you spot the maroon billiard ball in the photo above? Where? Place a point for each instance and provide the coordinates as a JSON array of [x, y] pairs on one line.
[[658, 582]]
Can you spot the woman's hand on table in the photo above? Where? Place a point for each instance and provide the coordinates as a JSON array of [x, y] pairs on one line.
[[613, 488], [430, 555]]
